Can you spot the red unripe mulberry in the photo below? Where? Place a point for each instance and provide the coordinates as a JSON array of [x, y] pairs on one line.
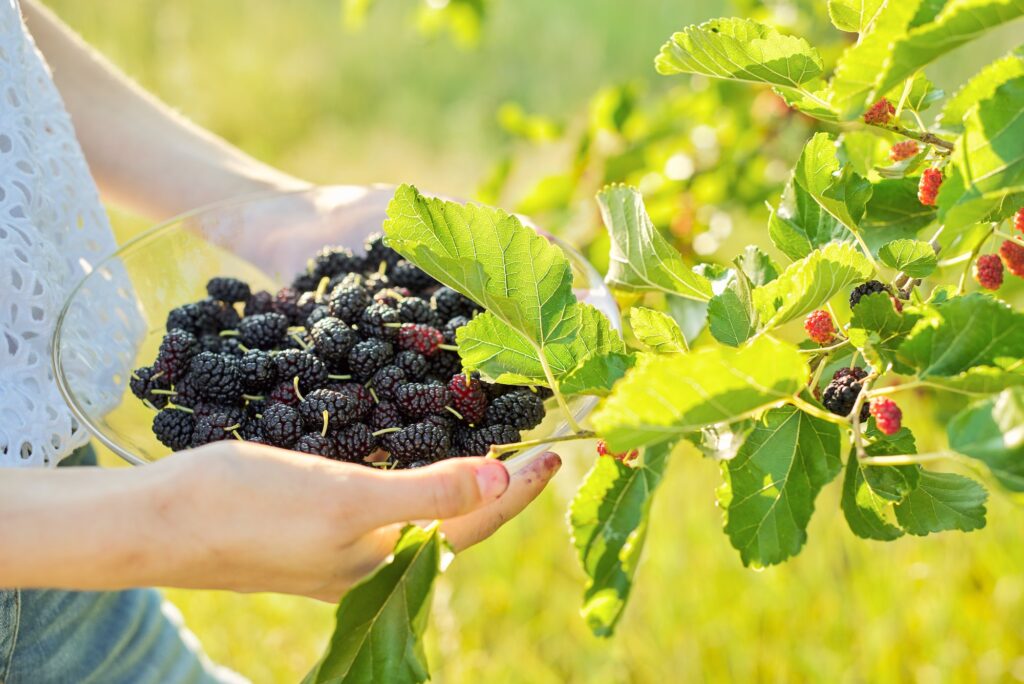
[[879, 113], [928, 188], [625, 457], [820, 327], [888, 416], [1013, 256], [903, 150], [988, 271]]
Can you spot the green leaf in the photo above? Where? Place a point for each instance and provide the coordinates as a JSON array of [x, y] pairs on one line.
[[381, 620], [489, 345], [867, 512], [980, 380], [657, 331], [916, 258], [892, 483], [854, 16], [927, 12], [740, 49], [878, 330], [955, 335], [940, 502], [869, 492], [533, 322], [858, 70], [608, 519], [771, 484], [986, 171], [959, 22], [487, 255], [641, 259], [802, 223], [812, 100], [992, 431], [839, 190], [597, 373], [731, 315], [894, 212], [981, 87], [664, 397], [807, 284], [757, 266], [923, 94]]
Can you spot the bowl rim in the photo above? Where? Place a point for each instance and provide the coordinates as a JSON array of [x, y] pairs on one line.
[[587, 403]]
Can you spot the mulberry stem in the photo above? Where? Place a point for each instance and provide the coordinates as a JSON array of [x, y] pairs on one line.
[[498, 449], [962, 286], [906, 459], [558, 394], [925, 137], [811, 409]]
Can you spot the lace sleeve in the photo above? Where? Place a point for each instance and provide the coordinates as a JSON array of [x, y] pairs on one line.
[[52, 230]]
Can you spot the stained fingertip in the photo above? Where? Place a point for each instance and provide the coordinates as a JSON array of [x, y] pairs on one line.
[[550, 462]]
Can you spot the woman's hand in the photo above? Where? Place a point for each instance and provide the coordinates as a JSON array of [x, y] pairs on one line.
[[242, 517], [247, 517]]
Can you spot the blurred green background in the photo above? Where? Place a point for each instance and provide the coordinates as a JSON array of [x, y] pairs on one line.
[[290, 84]]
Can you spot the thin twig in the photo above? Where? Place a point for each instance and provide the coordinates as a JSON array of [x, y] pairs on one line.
[[962, 286], [809, 408], [925, 137], [906, 459], [858, 438], [499, 449]]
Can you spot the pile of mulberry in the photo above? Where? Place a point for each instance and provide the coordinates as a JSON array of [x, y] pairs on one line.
[[349, 361]]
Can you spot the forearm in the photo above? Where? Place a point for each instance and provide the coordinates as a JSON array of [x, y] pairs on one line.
[[83, 528], [144, 156]]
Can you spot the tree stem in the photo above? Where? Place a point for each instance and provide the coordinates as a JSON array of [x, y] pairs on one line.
[[1018, 239], [499, 449], [858, 438], [920, 136], [838, 345], [970, 262], [558, 393], [905, 459], [809, 408]]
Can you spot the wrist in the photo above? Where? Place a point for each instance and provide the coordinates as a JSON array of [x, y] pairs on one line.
[[168, 494]]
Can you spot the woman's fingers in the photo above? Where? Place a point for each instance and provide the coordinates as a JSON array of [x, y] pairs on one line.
[[525, 486], [444, 490], [465, 530]]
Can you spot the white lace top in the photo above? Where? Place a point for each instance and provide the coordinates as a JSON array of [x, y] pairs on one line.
[[52, 230]]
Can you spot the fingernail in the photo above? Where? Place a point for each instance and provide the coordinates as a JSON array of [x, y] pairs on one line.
[[492, 479], [550, 462]]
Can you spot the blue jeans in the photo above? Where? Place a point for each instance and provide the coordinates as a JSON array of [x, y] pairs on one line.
[[113, 637]]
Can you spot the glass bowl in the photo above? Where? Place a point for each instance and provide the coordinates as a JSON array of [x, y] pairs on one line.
[[113, 321]]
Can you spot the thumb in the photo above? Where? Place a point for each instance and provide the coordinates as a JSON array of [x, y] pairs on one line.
[[447, 489]]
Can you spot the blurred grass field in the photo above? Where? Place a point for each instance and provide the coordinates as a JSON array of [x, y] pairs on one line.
[[287, 83]]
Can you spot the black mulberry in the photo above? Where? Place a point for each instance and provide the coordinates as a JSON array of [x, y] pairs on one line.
[[522, 410], [418, 400], [841, 393], [174, 428], [229, 290], [263, 331], [368, 357], [864, 289], [216, 377], [419, 441], [281, 425]]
